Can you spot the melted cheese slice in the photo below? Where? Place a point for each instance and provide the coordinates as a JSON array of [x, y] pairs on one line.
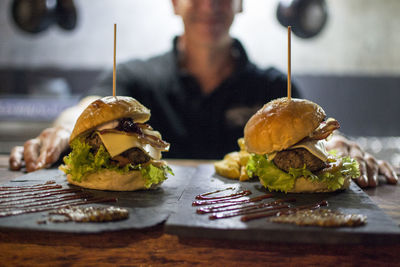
[[116, 143], [315, 147]]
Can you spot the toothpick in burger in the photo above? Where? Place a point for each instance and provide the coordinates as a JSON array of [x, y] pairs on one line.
[[114, 149], [287, 140]]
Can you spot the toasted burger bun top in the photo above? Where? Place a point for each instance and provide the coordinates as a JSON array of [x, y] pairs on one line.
[[107, 109], [280, 124]]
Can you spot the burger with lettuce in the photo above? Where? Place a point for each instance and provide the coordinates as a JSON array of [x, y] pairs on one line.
[[287, 140], [112, 147]]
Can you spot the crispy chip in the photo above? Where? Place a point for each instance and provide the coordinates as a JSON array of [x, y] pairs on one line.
[[233, 156], [244, 157], [228, 168], [243, 174], [234, 163], [241, 144]]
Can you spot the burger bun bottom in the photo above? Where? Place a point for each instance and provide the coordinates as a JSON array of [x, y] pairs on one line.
[[303, 185], [112, 181]]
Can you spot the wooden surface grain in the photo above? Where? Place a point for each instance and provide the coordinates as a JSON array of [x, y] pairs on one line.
[[152, 247]]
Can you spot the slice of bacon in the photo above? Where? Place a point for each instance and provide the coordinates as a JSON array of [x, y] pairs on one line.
[[144, 126], [324, 129], [155, 142]]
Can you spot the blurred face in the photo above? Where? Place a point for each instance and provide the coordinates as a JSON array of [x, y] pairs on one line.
[[207, 21]]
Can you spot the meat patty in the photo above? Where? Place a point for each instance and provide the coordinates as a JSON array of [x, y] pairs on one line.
[[134, 156], [296, 158]]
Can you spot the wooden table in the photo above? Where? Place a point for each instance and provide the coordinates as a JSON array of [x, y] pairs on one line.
[[152, 247]]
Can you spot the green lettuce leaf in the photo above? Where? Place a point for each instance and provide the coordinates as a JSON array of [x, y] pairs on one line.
[[336, 179], [155, 175], [81, 161], [274, 178], [270, 176]]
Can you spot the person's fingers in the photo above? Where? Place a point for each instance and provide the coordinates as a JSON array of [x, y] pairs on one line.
[[340, 144], [387, 170], [45, 139], [341, 147], [369, 167], [58, 145], [355, 151], [372, 170], [40, 162], [362, 181], [53, 145], [31, 154], [61, 145], [16, 158]]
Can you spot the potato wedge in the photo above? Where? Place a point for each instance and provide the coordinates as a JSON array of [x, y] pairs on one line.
[[234, 163], [228, 168]]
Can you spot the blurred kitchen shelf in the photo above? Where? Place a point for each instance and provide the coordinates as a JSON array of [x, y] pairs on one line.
[[34, 108], [24, 117]]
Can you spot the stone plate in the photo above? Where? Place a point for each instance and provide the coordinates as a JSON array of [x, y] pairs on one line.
[[146, 208], [186, 223]]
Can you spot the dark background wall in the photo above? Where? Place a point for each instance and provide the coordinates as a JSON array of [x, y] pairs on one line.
[[364, 105]]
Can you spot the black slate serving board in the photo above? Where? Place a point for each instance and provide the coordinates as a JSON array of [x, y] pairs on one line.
[[146, 208], [186, 223]]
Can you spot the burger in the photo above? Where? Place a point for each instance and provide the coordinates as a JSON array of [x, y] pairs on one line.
[[286, 139], [112, 147]]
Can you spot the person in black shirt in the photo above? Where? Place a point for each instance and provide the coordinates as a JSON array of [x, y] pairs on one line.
[[198, 124], [200, 94]]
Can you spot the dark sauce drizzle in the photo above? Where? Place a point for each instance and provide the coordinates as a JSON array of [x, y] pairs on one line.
[[284, 211], [231, 196], [202, 196], [16, 200], [238, 204], [232, 203]]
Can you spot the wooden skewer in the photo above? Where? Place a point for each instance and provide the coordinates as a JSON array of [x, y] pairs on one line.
[[289, 84], [114, 67]]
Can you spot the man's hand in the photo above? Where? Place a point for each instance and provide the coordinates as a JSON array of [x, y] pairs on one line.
[[46, 149], [370, 167], [42, 151]]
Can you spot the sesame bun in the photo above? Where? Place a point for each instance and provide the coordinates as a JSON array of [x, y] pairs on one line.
[[107, 109], [280, 124]]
